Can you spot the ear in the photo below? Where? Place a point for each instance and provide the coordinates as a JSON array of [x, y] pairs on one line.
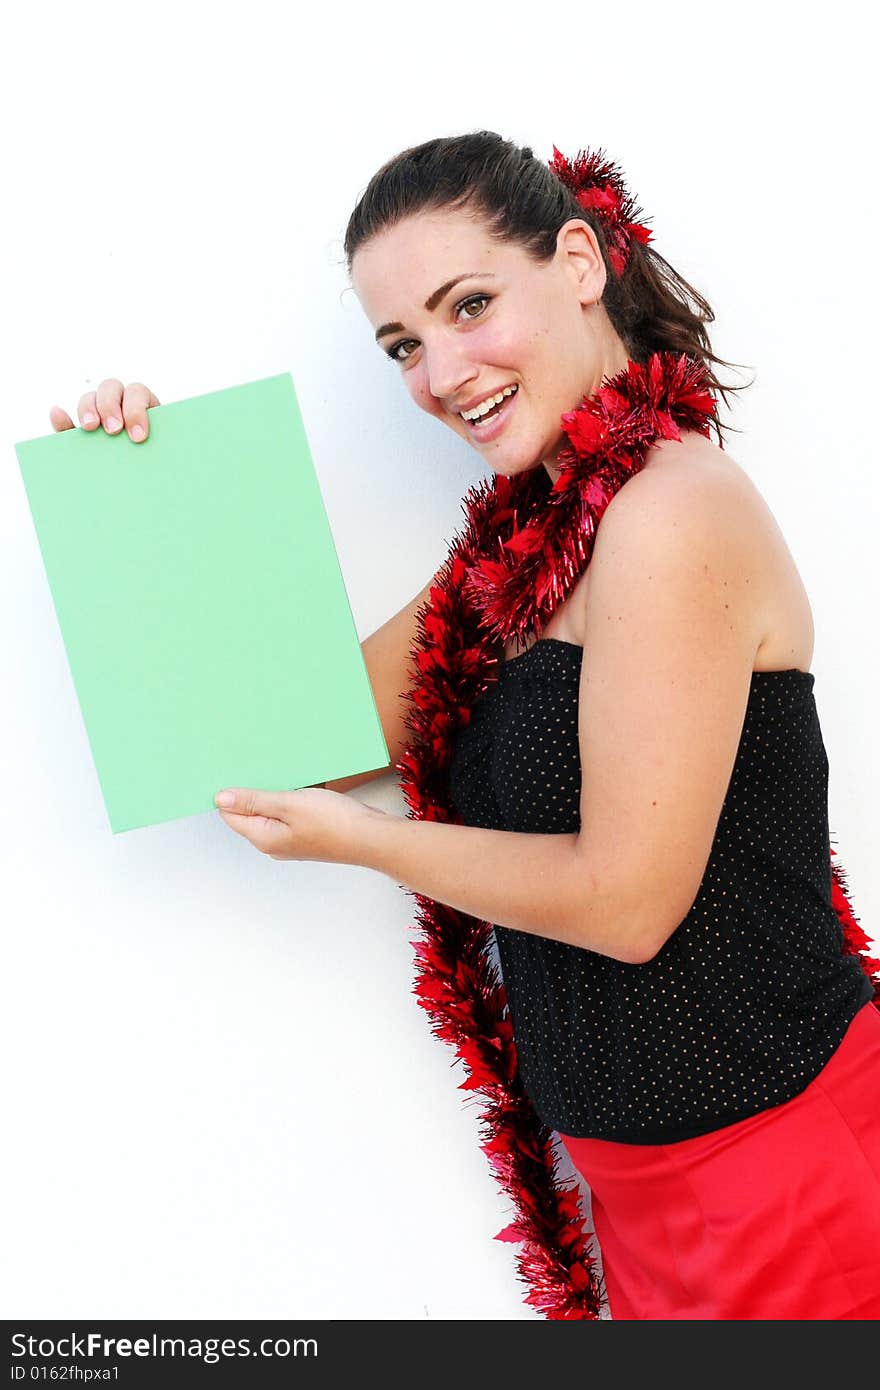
[[578, 248]]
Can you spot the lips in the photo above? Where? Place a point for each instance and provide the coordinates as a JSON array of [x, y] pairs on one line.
[[488, 427], [512, 387]]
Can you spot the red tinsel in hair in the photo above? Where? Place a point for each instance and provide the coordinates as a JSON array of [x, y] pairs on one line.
[[598, 184], [525, 544]]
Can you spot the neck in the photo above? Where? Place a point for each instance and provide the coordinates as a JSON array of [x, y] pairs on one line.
[[611, 358]]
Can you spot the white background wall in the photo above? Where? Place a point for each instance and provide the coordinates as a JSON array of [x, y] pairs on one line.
[[222, 1099]]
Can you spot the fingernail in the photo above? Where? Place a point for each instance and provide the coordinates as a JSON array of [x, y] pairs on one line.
[[225, 799], [138, 432], [90, 419], [111, 424]]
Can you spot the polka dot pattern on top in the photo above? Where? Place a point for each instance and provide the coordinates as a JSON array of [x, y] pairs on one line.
[[750, 996]]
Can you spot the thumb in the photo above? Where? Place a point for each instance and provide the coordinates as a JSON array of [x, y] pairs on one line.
[[245, 801]]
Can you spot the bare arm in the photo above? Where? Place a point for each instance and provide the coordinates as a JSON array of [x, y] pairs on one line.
[[386, 657]]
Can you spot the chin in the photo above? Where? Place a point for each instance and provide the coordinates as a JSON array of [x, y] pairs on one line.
[[512, 468]]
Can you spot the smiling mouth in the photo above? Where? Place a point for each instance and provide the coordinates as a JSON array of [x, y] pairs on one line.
[[491, 416]]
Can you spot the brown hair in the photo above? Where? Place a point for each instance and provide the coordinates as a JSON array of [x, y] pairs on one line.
[[651, 307]]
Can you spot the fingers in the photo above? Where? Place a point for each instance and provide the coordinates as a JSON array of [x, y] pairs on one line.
[[137, 399], [113, 406], [108, 404], [60, 419]]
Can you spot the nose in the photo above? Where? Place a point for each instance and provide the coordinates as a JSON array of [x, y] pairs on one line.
[[449, 370]]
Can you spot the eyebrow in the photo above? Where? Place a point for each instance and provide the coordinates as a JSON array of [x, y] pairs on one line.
[[434, 299]]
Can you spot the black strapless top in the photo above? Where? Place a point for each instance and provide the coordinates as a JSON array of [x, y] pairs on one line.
[[749, 997]]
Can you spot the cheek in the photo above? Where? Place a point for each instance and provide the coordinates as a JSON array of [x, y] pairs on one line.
[[502, 346], [524, 350]]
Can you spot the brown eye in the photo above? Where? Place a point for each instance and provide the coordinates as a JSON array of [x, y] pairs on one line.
[[481, 299], [392, 352]]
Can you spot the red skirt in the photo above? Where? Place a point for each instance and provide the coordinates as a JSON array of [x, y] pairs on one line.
[[776, 1216]]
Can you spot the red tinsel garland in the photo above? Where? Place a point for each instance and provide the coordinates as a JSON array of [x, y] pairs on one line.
[[525, 544]]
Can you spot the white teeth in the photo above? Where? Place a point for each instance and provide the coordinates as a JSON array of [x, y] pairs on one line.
[[485, 406]]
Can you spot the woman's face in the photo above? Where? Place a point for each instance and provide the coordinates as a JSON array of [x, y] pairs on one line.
[[466, 318]]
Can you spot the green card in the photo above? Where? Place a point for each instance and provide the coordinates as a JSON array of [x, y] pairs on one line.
[[201, 604]]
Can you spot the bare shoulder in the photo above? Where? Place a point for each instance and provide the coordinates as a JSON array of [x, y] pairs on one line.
[[681, 533], [685, 495], [696, 487], [692, 497]]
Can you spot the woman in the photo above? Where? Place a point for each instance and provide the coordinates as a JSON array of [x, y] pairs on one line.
[[679, 1001]]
